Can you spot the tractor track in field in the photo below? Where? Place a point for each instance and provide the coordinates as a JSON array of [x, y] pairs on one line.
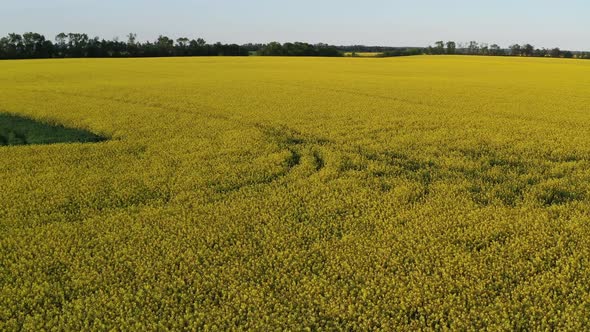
[[300, 147]]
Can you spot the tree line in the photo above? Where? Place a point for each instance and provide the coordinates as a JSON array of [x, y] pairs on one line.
[[475, 48], [33, 45], [298, 49]]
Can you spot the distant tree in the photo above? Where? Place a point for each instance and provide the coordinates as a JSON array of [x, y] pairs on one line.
[[61, 38], [473, 48], [14, 47], [131, 38], [77, 43], [182, 42], [325, 50], [298, 49], [164, 46], [31, 42], [555, 53], [451, 47], [196, 48], [496, 50], [272, 48], [484, 49], [132, 45], [182, 46], [528, 50], [439, 47], [95, 49], [515, 49], [3, 47], [60, 44], [541, 52], [568, 54], [201, 42], [402, 52]]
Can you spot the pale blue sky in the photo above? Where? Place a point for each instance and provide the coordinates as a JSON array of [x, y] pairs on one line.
[[544, 23]]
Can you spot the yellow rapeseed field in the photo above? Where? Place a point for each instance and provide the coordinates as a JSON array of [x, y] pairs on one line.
[[363, 54], [298, 193]]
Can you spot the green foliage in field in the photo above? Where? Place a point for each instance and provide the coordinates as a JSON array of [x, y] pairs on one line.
[[291, 193], [17, 130]]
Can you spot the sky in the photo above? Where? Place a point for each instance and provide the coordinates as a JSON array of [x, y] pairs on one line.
[[543, 23]]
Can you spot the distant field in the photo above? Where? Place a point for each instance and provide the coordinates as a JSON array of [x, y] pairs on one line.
[[363, 54], [281, 193]]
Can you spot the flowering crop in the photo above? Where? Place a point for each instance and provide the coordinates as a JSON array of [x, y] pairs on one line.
[[290, 193]]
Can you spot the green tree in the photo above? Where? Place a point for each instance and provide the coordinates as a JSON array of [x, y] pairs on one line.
[[164, 46], [555, 53], [473, 47], [182, 42], [528, 50], [131, 38], [496, 50], [439, 47], [515, 49], [451, 47]]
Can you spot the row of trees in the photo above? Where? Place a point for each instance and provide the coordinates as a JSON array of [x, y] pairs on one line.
[[298, 49], [403, 52], [475, 48], [35, 45], [75, 45], [373, 49]]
